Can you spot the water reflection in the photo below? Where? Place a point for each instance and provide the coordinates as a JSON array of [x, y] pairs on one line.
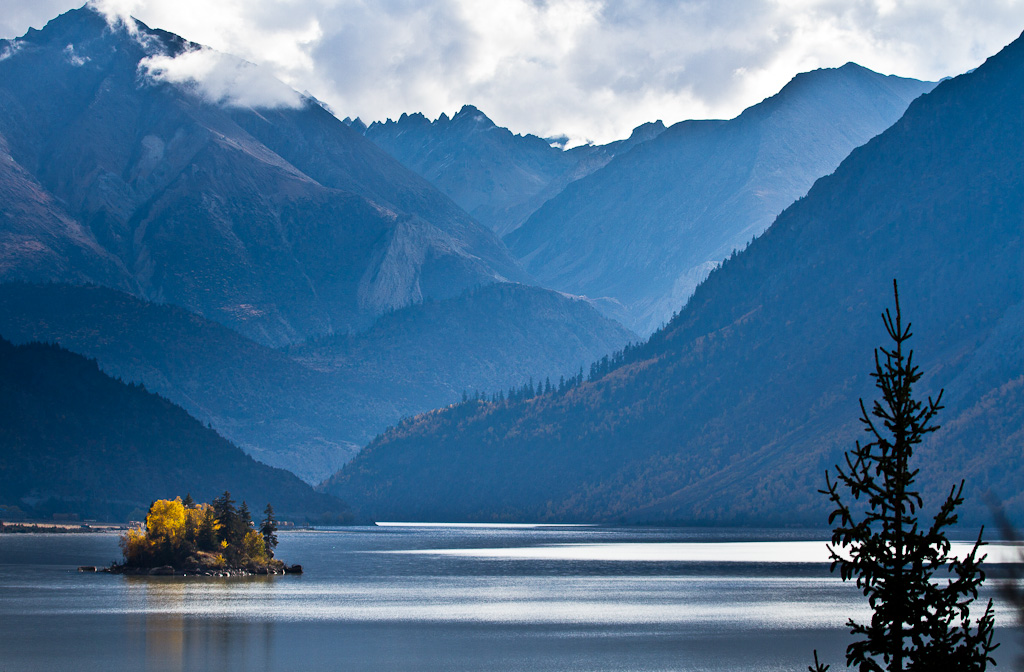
[[193, 623]]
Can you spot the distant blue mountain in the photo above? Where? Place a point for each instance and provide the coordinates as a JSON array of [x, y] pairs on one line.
[[497, 177], [643, 231], [733, 411]]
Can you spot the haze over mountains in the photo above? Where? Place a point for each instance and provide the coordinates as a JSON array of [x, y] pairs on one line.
[[733, 411], [636, 230], [310, 408]]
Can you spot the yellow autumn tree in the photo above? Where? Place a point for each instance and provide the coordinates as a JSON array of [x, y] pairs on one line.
[[166, 522], [255, 549], [135, 546]]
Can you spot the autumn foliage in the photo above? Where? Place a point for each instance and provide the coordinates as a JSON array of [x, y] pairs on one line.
[[198, 536]]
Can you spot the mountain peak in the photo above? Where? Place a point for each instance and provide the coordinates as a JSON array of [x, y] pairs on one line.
[[647, 130], [471, 113], [86, 17]]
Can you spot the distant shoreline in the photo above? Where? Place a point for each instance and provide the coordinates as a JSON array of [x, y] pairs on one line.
[[60, 528]]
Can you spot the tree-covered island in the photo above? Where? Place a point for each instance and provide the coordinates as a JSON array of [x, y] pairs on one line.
[[217, 539]]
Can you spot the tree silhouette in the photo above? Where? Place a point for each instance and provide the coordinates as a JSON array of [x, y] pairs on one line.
[[920, 593]]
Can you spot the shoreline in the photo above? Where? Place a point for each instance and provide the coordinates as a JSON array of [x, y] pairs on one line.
[[168, 570], [60, 528]]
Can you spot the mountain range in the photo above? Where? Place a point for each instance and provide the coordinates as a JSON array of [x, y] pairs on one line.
[[276, 273], [733, 411]]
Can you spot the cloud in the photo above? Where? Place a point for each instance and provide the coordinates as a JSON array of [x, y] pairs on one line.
[[9, 49], [221, 79], [591, 69], [73, 58]]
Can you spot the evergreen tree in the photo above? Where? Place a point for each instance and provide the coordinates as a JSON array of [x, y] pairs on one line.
[[228, 519], [245, 515], [268, 528], [206, 535], [920, 593], [188, 502]]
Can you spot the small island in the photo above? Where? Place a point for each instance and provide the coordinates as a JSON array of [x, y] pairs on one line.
[[182, 537]]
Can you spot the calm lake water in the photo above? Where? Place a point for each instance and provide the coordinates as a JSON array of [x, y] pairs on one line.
[[444, 598]]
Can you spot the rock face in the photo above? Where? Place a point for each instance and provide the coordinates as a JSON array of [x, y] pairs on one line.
[[277, 220], [643, 231], [497, 177], [734, 410]]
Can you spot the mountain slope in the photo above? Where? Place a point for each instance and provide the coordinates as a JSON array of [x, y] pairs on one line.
[[39, 240], [497, 177], [73, 440], [733, 411], [649, 226], [278, 221], [309, 412]]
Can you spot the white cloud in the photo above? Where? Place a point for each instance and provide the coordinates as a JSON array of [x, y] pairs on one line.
[[9, 49], [587, 68], [73, 58], [221, 79]]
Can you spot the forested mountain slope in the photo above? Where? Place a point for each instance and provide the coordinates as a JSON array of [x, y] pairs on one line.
[[732, 412], [73, 440]]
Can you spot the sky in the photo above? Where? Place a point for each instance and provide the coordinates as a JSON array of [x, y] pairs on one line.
[[588, 69]]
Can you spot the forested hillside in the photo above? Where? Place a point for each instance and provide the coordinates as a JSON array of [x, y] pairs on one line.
[[73, 440]]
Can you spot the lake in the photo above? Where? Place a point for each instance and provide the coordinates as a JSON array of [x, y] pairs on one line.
[[410, 597]]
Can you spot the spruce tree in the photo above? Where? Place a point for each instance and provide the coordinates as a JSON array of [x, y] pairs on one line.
[[920, 593], [206, 535], [268, 528], [228, 518]]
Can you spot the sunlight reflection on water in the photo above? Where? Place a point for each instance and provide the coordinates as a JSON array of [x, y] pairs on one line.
[[797, 552]]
